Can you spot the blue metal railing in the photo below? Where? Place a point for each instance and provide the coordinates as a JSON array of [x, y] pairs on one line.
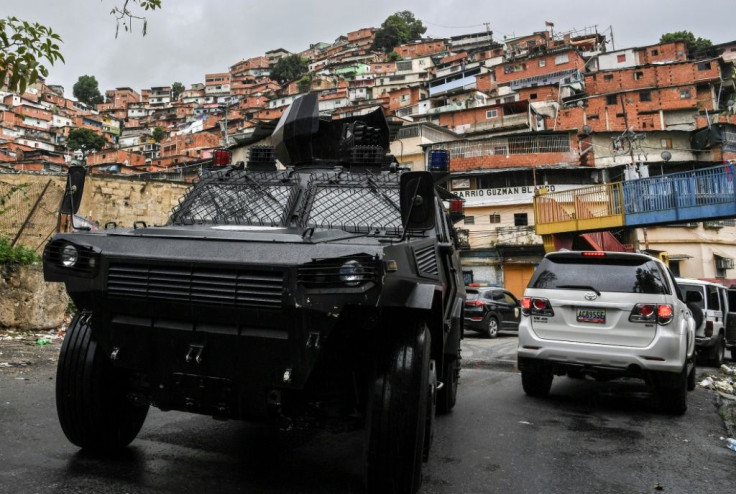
[[685, 196]]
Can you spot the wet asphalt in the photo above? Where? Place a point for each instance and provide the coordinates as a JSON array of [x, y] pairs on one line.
[[585, 437]]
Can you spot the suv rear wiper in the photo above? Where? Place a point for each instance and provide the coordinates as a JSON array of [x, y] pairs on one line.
[[583, 287]]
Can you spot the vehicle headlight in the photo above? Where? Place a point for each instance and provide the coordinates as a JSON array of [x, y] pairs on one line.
[[351, 273], [69, 255]]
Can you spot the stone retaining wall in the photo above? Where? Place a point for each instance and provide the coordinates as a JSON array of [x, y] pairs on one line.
[[119, 199], [27, 302]]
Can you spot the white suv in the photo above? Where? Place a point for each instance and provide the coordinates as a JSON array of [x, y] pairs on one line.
[[710, 318], [607, 315]]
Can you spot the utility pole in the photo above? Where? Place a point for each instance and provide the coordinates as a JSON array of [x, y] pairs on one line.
[[490, 34], [631, 137]]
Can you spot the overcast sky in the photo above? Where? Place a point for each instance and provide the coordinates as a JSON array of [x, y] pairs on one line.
[[190, 38]]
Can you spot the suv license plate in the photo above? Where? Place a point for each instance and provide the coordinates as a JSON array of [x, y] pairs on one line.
[[596, 316]]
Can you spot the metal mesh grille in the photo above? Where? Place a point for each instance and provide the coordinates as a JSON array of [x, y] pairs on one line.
[[196, 285], [237, 197], [355, 202]]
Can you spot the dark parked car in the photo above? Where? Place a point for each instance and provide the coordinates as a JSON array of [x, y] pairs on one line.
[[490, 310]]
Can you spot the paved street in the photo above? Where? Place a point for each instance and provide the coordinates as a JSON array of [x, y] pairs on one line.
[[586, 437]]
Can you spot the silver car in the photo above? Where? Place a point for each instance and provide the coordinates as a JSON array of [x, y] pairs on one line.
[[607, 315]]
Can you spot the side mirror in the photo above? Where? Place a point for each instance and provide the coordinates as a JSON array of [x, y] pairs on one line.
[[74, 189], [417, 200], [693, 297]]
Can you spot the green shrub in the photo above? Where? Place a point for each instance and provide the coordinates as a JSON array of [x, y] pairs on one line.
[[17, 254]]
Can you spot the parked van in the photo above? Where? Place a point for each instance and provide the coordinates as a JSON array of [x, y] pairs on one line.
[[710, 319]]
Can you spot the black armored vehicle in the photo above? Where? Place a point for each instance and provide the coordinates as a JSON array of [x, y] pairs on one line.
[[323, 292]]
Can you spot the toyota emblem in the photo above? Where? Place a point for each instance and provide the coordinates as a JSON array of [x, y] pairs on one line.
[[590, 296]]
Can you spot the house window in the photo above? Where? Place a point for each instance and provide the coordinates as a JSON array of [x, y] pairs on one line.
[[611, 99], [684, 94], [608, 77], [655, 52], [560, 59], [403, 65], [666, 143], [470, 220], [621, 58], [491, 113], [533, 96], [519, 67], [645, 96], [542, 62], [495, 218], [703, 65], [638, 75], [520, 219]]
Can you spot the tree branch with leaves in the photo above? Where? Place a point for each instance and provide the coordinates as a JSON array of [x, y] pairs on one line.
[[27, 50], [125, 15]]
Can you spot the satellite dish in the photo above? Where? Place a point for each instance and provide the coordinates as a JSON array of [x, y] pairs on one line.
[[666, 155], [587, 130]]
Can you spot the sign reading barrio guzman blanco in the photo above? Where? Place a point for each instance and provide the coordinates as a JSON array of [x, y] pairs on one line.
[[498, 196]]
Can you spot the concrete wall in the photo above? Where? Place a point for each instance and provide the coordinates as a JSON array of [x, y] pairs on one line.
[[27, 302], [120, 199]]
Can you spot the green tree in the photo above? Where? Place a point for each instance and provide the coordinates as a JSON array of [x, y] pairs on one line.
[[305, 83], [26, 52], [176, 89], [289, 68], [85, 140], [393, 57], [158, 134], [28, 49], [87, 90], [397, 29], [696, 47]]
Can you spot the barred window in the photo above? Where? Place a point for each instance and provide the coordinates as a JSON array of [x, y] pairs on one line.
[[495, 218]]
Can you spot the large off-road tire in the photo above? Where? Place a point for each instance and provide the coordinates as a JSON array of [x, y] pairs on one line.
[[733, 354], [91, 395], [492, 327], [536, 382], [718, 351], [447, 396], [399, 415], [692, 376], [672, 392]]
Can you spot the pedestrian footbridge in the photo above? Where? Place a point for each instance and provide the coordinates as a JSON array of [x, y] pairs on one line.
[[699, 195]]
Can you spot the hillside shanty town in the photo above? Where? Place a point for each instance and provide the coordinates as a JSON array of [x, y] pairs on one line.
[[544, 113]]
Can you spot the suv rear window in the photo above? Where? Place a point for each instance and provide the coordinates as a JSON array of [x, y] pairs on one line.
[[605, 275], [685, 289]]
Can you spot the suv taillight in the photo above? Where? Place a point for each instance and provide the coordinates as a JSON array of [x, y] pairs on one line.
[[536, 306], [474, 302], [663, 313], [708, 328]]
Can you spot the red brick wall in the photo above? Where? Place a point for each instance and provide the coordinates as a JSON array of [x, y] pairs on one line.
[[539, 93], [655, 75], [420, 49], [666, 52], [513, 160], [484, 82], [531, 66]]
